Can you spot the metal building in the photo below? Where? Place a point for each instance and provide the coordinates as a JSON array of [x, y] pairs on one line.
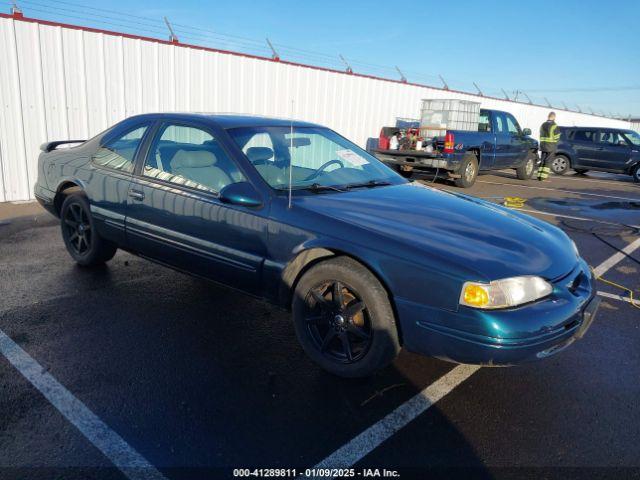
[[69, 82]]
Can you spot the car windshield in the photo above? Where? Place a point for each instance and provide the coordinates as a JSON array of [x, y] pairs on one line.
[[320, 158], [632, 136]]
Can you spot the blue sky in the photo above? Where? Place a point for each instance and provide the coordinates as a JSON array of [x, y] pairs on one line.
[[580, 52]]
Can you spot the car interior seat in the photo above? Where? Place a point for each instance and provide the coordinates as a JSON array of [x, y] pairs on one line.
[[263, 161], [200, 166]]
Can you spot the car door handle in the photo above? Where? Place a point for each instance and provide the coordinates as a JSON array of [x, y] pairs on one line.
[[136, 194]]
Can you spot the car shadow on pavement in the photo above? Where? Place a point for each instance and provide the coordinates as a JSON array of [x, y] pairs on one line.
[[201, 379]]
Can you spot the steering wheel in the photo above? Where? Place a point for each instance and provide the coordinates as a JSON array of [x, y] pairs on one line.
[[323, 167], [262, 161]]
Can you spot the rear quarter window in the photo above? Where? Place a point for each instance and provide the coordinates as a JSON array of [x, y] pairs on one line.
[[118, 153]]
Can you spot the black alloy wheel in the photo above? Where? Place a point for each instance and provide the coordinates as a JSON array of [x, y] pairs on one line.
[[338, 322], [85, 245], [78, 229]]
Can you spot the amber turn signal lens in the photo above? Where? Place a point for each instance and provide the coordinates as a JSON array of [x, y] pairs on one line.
[[475, 295]]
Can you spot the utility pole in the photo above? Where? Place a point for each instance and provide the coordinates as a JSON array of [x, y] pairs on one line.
[[172, 35], [349, 69], [274, 54]]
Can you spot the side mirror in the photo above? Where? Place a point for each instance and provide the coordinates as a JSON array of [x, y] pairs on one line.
[[241, 193], [526, 131]]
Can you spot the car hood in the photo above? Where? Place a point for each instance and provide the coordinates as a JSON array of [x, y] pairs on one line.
[[491, 240]]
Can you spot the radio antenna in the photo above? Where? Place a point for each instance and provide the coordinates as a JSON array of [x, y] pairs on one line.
[[291, 155]]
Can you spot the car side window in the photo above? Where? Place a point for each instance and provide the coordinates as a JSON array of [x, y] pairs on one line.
[[512, 124], [118, 153], [501, 123], [191, 157], [611, 138], [584, 136], [484, 121]]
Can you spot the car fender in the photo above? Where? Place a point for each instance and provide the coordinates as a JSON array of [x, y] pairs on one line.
[[568, 154], [312, 251], [635, 161], [63, 184], [402, 278]]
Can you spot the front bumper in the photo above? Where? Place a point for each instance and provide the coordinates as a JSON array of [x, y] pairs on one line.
[[504, 337]]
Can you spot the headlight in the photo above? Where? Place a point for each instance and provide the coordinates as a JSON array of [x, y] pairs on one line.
[[504, 293]]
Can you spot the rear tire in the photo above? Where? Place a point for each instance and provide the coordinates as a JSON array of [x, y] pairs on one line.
[[635, 173], [525, 171], [468, 171], [560, 164], [343, 318], [581, 171], [83, 242]]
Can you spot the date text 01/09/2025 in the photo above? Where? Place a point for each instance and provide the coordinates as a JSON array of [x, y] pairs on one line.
[[316, 473]]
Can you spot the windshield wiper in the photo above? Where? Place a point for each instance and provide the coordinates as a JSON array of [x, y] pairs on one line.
[[369, 184], [316, 187]]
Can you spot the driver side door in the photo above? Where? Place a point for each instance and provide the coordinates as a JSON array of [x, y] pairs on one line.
[[612, 151], [519, 145], [175, 215]]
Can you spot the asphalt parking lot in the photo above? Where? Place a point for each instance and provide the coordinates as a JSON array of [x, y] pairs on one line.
[[197, 379]]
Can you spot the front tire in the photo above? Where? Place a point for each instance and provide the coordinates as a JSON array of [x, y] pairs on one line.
[[560, 164], [635, 173], [83, 242], [468, 171], [343, 318], [525, 171]]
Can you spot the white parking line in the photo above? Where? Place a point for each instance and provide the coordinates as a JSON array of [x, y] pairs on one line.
[[373, 436], [617, 297], [584, 219], [622, 182], [575, 218], [367, 441], [625, 180], [560, 190], [119, 452], [616, 258]]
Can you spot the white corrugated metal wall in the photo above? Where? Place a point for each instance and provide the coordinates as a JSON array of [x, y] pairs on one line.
[[61, 83]]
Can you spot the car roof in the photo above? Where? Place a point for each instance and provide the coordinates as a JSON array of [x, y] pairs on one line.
[[596, 128], [228, 120]]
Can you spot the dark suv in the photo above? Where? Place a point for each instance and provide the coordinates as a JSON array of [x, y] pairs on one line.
[[604, 149]]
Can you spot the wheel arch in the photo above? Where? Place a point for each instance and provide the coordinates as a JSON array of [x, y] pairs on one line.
[[310, 257], [476, 152], [565, 154], [65, 188]]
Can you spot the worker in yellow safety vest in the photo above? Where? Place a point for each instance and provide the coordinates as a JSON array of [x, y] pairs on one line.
[[549, 136]]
